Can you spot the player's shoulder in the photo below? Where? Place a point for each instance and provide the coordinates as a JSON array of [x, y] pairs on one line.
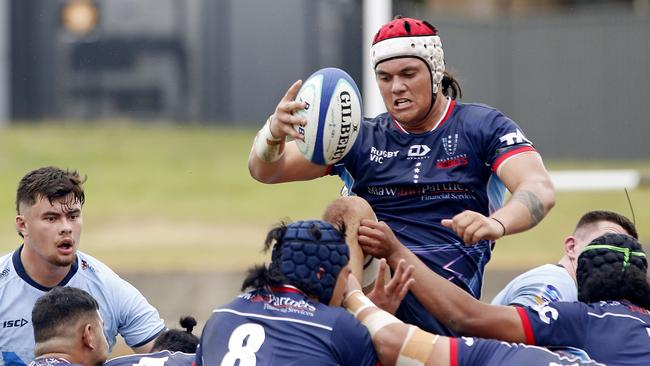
[[7, 269], [91, 270], [90, 264], [552, 271], [476, 113], [342, 319], [167, 358], [381, 121], [6, 257], [5, 263]]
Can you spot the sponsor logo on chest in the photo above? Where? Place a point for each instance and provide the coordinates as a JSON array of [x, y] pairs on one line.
[[452, 159], [378, 156], [14, 323]]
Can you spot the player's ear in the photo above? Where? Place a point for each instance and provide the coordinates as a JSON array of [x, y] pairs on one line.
[[21, 226], [571, 248], [87, 336]]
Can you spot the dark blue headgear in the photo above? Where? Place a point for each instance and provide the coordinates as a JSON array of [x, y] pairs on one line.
[[310, 255]]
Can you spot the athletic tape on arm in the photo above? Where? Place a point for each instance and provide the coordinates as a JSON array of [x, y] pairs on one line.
[[417, 345], [267, 147]]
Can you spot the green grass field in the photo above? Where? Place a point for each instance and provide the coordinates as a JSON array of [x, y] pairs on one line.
[[179, 198]]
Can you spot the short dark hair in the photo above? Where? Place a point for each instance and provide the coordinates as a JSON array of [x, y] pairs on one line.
[[593, 217], [51, 183], [613, 267], [59, 308], [177, 340]]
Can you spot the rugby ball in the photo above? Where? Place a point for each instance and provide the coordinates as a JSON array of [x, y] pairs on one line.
[[333, 114], [370, 272]]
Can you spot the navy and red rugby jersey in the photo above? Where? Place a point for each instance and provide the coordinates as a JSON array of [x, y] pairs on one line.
[[161, 358], [468, 351], [413, 181], [612, 332], [283, 327]]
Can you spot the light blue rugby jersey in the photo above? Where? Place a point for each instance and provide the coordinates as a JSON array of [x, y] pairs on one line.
[[549, 282], [122, 307]]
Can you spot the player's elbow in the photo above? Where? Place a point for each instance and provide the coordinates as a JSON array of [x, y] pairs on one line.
[[258, 172], [541, 186], [469, 323], [546, 192]]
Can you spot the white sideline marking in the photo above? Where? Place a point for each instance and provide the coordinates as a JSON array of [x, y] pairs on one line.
[[595, 180]]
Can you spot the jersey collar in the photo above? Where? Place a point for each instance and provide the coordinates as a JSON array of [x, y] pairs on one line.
[[20, 271], [287, 289], [448, 108]]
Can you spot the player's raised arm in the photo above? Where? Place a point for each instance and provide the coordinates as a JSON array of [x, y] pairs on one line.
[[453, 307], [272, 159], [533, 196]]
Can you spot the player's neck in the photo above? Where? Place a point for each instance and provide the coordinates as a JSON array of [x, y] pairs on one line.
[[55, 347], [433, 119], [568, 266], [40, 270]]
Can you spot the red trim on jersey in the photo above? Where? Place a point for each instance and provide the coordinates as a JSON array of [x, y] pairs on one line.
[[525, 322], [286, 289], [508, 154], [450, 107], [398, 126], [328, 170], [452, 104], [453, 351]]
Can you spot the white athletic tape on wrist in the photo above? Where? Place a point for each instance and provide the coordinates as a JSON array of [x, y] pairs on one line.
[[356, 302], [267, 147], [417, 347], [378, 320]]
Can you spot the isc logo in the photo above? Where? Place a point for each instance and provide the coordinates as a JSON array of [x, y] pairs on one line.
[[14, 323]]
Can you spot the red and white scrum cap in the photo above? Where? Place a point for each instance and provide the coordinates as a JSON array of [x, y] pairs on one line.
[[408, 37]]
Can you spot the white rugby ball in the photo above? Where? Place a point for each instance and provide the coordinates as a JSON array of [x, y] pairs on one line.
[[333, 115], [370, 272]]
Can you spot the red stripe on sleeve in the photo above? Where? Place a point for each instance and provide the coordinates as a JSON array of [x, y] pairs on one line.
[[328, 170], [525, 322], [508, 154], [453, 351]]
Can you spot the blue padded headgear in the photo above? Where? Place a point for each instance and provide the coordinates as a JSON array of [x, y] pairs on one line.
[[310, 255]]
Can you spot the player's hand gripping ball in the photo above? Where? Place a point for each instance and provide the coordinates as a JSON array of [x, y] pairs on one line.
[[333, 114]]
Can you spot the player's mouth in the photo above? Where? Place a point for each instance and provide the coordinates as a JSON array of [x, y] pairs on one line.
[[401, 103], [66, 246]]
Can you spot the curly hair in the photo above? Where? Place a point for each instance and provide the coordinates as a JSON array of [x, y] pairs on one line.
[[613, 267]]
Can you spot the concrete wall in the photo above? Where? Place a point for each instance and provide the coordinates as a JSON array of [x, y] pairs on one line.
[[577, 84]]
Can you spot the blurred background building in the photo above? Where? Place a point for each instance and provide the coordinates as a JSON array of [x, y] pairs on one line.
[[575, 74]]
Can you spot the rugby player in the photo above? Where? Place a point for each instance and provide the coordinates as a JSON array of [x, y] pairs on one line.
[[557, 282], [291, 315], [433, 168], [174, 347], [402, 344], [68, 329], [49, 218], [610, 322]]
